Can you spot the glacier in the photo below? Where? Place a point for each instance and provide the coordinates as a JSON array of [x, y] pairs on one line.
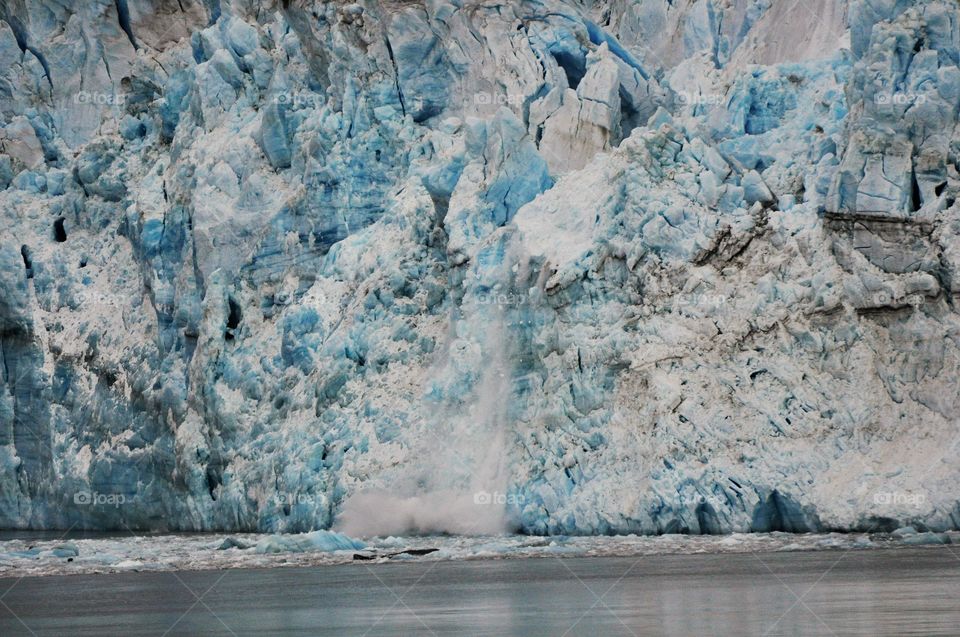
[[550, 266]]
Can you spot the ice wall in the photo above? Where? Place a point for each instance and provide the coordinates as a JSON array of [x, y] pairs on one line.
[[555, 266]]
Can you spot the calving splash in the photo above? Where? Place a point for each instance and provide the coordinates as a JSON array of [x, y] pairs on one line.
[[455, 480]]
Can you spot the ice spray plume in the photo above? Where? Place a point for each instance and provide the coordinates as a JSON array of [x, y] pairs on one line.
[[457, 481]]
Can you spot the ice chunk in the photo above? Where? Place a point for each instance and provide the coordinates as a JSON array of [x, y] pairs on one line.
[[305, 542]]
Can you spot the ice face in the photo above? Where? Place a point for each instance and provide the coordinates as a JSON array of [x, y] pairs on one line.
[[568, 268]]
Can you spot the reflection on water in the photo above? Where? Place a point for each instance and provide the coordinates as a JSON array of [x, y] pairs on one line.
[[882, 592]]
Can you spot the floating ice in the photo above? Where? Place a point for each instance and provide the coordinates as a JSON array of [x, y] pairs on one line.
[[124, 553], [303, 542]]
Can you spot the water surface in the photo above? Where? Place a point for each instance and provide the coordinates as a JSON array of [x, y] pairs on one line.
[[902, 591]]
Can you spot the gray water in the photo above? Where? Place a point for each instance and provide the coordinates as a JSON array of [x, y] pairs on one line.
[[875, 592]]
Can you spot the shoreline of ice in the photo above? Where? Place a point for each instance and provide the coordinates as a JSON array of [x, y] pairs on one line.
[[164, 553]]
